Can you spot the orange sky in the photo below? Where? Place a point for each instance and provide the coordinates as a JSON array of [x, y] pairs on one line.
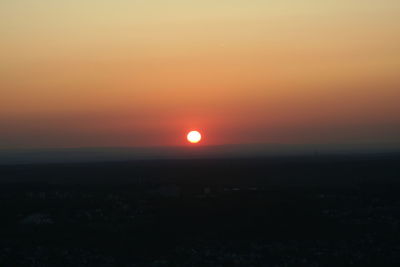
[[143, 73]]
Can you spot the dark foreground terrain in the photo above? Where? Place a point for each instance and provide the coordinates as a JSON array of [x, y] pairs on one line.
[[294, 211]]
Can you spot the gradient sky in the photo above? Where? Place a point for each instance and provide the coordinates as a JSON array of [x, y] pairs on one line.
[[144, 72]]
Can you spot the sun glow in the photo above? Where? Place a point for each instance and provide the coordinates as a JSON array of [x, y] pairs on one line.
[[194, 137]]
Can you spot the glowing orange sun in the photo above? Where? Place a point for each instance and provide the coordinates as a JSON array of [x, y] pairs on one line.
[[194, 137]]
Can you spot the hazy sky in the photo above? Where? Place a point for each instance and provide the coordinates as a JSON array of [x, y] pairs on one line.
[[142, 73]]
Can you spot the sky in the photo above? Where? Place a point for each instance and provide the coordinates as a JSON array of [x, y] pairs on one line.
[[128, 73]]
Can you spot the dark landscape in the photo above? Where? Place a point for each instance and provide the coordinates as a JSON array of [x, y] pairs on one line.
[[316, 210]]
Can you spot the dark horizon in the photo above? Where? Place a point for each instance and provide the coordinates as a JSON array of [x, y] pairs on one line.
[[96, 154]]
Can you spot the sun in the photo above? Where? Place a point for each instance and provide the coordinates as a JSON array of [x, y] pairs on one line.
[[194, 137]]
